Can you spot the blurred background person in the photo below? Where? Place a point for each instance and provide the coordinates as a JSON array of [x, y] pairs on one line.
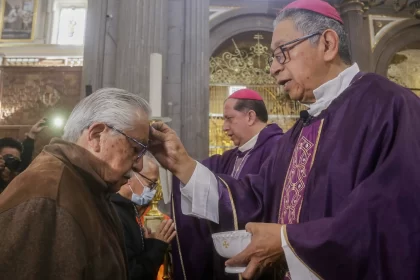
[[145, 250], [16, 156]]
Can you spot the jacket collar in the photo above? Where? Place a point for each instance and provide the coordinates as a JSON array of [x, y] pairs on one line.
[[80, 159]]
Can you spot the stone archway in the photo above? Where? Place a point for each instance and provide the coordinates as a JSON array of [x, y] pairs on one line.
[[401, 35], [224, 28], [236, 21]]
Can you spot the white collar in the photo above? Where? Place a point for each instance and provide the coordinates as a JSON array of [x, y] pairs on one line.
[[250, 144], [329, 91]]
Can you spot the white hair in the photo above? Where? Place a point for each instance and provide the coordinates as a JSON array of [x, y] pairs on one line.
[[115, 107], [309, 22]]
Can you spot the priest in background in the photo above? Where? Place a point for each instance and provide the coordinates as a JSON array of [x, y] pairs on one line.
[[245, 122], [340, 193]]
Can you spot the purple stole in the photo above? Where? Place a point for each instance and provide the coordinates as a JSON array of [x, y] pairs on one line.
[[240, 161], [297, 175]]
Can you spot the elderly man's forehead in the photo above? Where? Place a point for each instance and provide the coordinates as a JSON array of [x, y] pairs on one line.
[[284, 32]]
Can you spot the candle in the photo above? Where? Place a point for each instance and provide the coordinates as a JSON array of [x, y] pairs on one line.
[[155, 94], [165, 178]]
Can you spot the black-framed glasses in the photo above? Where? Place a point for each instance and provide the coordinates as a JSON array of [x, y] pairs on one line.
[[281, 56], [152, 184], [143, 150]]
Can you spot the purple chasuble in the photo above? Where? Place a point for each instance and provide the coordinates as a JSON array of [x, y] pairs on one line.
[[357, 216], [197, 258]]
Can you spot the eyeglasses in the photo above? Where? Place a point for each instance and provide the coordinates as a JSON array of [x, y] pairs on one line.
[[143, 150], [152, 184], [281, 56]]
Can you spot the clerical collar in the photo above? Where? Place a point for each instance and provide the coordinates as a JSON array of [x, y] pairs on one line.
[[329, 91], [250, 144]]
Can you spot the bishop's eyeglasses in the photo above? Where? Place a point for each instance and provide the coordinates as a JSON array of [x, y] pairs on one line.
[[281, 55]]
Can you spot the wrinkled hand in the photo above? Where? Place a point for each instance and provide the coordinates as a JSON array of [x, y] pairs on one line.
[[264, 250], [165, 231], [167, 148], [37, 128]]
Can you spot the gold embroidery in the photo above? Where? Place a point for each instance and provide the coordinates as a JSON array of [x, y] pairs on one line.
[[295, 182], [225, 244], [279, 219], [296, 179], [313, 158]]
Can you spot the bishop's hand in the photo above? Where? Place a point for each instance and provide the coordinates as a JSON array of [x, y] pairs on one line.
[[168, 150], [264, 250]]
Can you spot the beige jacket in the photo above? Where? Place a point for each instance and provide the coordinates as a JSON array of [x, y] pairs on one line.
[[57, 222]]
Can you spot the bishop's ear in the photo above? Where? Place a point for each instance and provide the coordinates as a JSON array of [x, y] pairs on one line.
[[330, 43], [252, 117], [95, 133]]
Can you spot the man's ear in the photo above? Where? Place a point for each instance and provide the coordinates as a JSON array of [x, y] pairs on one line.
[[95, 131], [252, 117], [330, 43]]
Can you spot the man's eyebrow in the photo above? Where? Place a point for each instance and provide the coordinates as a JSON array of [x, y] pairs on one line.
[[277, 44]]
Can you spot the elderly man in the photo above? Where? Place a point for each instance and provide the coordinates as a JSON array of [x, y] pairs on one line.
[[145, 252], [341, 189], [56, 218], [245, 123]]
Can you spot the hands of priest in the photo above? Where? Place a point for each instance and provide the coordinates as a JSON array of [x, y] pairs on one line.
[[264, 250], [168, 150], [165, 231]]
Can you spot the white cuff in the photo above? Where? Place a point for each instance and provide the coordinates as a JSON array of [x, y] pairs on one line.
[[200, 196], [297, 269]]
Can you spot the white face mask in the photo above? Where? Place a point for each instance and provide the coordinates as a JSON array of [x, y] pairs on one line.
[[146, 196]]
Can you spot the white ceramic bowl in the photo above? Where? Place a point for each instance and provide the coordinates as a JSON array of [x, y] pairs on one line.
[[231, 243]]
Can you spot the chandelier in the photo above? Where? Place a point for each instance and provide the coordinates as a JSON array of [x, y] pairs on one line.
[[399, 5], [243, 66]]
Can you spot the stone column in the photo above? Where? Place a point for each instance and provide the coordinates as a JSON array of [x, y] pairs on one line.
[[187, 78], [354, 22], [121, 35], [94, 46], [172, 86], [195, 80], [142, 30]]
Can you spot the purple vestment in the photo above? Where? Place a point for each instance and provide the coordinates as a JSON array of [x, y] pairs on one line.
[[355, 214], [199, 260]]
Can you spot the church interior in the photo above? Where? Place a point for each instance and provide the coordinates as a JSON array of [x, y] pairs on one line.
[[184, 56], [60, 50]]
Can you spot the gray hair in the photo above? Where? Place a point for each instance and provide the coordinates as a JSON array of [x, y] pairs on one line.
[[309, 22], [113, 106]]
